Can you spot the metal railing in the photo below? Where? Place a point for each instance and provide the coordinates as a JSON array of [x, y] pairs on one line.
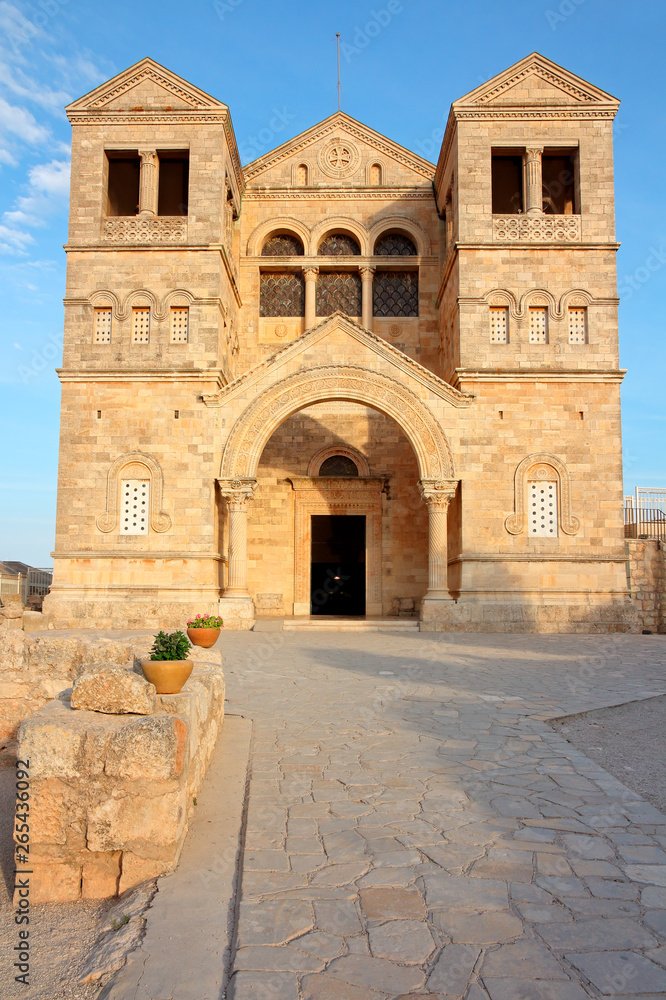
[[645, 514]]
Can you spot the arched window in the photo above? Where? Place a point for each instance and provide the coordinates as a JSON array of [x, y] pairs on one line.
[[302, 175], [395, 245], [395, 293], [339, 291], [339, 245], [338, 465], [282, 293], [375, 175], [282, 245]]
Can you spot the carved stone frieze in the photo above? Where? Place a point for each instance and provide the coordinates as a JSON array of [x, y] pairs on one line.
[[537, 228], [136, 230]]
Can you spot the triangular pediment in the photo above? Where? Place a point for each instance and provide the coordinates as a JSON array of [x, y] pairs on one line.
[[146, 86], [357, 143], [536, 81], [342, 338]]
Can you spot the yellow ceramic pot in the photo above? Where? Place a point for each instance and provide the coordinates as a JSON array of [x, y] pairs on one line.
[[168, 676], [204, 637]]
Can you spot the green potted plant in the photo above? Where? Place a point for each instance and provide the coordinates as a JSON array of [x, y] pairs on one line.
[[203, 630], [168, 666]]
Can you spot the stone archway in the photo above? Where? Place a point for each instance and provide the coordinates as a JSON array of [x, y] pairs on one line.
[[329, 383]]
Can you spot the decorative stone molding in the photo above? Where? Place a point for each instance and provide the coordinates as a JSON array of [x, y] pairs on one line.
[[135, 465], [538, 296], [438, 492], [339, 157], [237, 492], [537, 229], [320, 457], [408, 226], [277, 224], [334, 224], [260, 419], [143, 296], [133, 229], [544, 467]]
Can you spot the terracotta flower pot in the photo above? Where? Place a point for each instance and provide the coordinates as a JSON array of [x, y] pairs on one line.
[[168, 676], [205, 637]]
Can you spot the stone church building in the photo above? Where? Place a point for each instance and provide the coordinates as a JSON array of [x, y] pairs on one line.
[[342, 380]]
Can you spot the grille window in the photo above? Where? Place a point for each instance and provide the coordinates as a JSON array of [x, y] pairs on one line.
[[282, 245], [102, 326], [180, 321], [339, 245], [499, 326], [395, 245], [542, 517], [577, 326], [396, 293], [282, 294], [338, 465], [140, 326], [538, 326], [339, 290], [135, 506]]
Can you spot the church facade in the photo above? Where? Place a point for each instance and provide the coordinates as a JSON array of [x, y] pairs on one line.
[[342, 380]]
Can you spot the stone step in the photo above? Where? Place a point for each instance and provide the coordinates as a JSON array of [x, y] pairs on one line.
[[331, 624]]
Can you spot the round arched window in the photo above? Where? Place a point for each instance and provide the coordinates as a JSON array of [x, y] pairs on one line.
[[338, 465], [282, 245], [395, 245], [339, 245]]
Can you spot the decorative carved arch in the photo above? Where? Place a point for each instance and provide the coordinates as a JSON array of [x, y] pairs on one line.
[[375, 161], [503, 297], [335, 225], [574, 297], [408, 226], [538, 297], [302, 162], [282, 224], [135, 465], [320, 457], [178, 297], [102, 299], [516, 523], [272, 407]]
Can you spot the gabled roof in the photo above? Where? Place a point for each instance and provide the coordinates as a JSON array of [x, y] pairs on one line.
[[402, 363], [339, 121], [148, 93]]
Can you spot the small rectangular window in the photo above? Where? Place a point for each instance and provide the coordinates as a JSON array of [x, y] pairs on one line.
[[123, 185], [179, 325], [507, 184], [538, 325], [577, 325], [102, 326], [499, 326], [140, 326], [542, 510], [558, 184], [173, 184], [135, 506]]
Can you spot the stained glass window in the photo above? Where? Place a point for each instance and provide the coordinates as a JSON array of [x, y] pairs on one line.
[[339, 245], [339, 290], [394, 245], [338, 465], [282, 245], [396, 293], [282, 294]]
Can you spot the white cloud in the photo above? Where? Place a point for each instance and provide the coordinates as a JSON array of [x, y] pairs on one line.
[[19, 122], [48, 187], [13, 241]]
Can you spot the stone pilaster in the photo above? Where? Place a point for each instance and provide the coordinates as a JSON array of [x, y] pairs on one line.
[[148, 183], [438, 494], [310, 275], [237, 493], [533, 181], [367, 276]]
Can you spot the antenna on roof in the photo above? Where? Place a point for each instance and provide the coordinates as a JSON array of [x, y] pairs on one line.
[[337, 35]]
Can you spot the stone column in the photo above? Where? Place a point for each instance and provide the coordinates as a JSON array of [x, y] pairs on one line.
[[148, 183], [533, 182], [367, 275], [237, 493], [438, 494], [310, 275]]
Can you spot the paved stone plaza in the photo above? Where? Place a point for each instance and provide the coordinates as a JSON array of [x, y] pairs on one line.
[[416, 828]]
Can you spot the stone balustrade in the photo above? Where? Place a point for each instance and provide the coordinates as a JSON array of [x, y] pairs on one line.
[[135, 229], [537, 229]]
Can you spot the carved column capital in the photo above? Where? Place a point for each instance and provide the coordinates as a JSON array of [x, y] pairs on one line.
[[533, 153], [148, 156], [438, 493], [310, 272], [367, 272], [237, 492]]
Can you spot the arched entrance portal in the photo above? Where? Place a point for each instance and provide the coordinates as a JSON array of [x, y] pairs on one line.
[[339, 383]]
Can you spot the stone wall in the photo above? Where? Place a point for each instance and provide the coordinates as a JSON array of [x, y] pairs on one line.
[[647, 570], [111, 794]]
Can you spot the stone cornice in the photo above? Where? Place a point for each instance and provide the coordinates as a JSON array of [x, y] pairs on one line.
[[141, 375], [505, 557], [539, 375], [338, 194], [134, 554]]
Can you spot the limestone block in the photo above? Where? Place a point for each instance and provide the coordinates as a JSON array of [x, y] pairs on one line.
[[12, 611], [149, 827], [54, 881], [11, 600], [62, 743], [35, 621], [114, 691], [101, 874], [136, 869]]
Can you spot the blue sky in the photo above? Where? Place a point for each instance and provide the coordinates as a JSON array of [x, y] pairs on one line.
[[273, 63]]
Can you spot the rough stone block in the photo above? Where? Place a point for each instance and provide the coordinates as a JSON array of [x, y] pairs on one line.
[[114, 691], [101, 874]]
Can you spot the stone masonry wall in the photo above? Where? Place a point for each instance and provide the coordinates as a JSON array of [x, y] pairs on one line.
[[647, 569]]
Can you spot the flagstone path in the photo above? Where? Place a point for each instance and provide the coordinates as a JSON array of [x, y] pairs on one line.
[[415, 828]]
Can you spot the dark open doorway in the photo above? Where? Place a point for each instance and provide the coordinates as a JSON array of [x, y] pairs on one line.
[[338, 565]]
